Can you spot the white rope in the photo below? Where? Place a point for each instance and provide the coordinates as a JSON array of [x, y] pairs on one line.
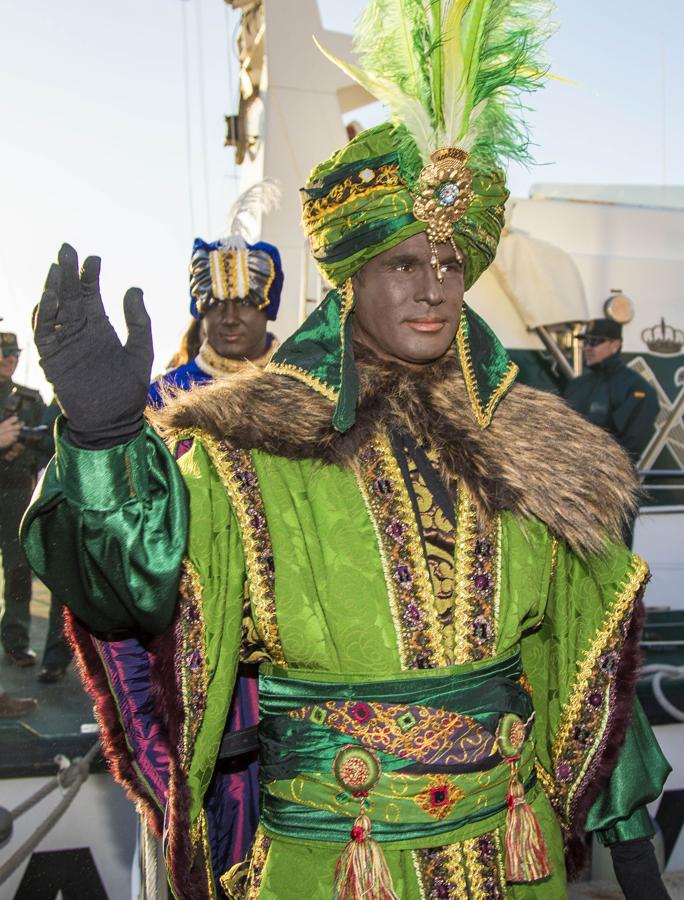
[[658, 672], [188, 121], [70, 778], [149, 859], [203, 112]]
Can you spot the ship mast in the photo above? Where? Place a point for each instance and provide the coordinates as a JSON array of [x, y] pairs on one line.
[[289, 118]]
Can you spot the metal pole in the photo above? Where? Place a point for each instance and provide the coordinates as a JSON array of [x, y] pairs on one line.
[[658, 440], [555, 351]]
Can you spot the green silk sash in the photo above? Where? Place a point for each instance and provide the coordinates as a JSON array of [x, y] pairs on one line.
[[432, 734]]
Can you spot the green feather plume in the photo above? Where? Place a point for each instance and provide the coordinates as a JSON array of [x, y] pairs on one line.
[[452, 71]]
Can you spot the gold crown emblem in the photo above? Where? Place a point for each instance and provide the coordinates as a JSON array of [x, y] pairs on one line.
[[663, 338]]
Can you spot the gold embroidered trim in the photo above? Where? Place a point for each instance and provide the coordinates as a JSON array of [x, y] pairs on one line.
[[384, 560], [554, 559], [212, 363], [444, 866], [407, 577], [477, 582], [269, 282], [483, 414], [484, 866], [190, 660], [347, 294], [305, 377], [243, 880], [545, 779], [352, 188], [466, 531], [419, 874], [199, 835], [590, 694], [236, 471]]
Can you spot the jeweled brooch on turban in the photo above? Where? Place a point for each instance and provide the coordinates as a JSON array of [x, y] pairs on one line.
[[445, 187]]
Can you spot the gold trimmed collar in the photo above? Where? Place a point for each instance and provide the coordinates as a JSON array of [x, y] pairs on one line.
[[209, 361]]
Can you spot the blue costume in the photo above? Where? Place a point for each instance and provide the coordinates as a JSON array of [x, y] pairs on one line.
[[229, 269]]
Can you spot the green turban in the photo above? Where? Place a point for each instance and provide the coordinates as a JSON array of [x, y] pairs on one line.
[[451, 75], [360, 202]]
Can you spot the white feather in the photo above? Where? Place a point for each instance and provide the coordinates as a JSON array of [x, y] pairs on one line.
[[245, 214]]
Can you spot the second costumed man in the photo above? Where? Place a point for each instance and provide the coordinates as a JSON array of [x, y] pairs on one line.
[[235, 289]]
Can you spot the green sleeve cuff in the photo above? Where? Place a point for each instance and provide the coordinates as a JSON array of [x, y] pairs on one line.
[[619, 812], [107, 531], [103, 480], [634, 827]]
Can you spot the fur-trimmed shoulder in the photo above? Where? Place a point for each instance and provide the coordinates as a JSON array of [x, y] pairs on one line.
[[537, 459]]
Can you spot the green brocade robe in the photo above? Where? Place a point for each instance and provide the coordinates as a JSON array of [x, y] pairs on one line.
[[329, 561]]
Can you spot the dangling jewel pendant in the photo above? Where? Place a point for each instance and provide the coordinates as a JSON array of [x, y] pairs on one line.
[[435, 263]]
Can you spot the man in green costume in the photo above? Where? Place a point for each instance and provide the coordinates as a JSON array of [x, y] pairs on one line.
[[445, 621]]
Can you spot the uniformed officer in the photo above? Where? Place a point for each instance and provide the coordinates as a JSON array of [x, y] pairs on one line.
[[20, 462], [609, 393]]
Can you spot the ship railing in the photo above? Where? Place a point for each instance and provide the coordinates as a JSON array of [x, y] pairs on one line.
[[70, 777], [662, 481]]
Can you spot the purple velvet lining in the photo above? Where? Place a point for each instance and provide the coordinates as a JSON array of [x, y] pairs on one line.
[[128, 668], [232, 801], [112, 735]]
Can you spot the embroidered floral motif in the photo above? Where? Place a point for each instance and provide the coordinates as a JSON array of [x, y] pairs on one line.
[[421, 733], [440, 797], [352, 188], [440, 541], [588, 708], [406, 574], [190, 661], [477, 583]]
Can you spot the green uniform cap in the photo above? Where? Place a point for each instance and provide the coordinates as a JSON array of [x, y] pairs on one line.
[[8, 343]]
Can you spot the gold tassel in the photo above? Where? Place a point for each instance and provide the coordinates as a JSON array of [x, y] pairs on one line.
[[361, 872], [527, 858]]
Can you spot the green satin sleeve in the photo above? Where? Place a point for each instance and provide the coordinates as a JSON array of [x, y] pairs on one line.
[[619, 812], [107, 530]]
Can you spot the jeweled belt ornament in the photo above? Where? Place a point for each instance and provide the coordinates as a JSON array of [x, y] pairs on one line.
[[445, 193], [361, 869], [415, 757], [527, 858]]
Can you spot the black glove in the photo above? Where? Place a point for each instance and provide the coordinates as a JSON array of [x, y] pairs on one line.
[[100, 384], [636, 870]]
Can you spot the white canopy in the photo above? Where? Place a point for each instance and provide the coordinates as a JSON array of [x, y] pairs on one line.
[[540, 280]]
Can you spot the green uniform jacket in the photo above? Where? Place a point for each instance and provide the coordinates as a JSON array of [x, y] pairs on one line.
[[311, 552], [27, 404], [615, 397]]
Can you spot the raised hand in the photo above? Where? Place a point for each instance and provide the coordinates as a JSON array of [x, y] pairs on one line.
[[101, 384]]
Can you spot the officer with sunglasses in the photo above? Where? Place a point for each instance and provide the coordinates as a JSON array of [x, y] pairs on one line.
[[609, 393], [27, 448]]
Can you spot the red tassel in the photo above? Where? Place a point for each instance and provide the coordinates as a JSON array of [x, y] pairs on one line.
[[361, 872], [527, 858]]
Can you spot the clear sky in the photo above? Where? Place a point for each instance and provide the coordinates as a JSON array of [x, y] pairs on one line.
[[97, 145]]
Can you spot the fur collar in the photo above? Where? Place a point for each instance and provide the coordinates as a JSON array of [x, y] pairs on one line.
[[537, 458]]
